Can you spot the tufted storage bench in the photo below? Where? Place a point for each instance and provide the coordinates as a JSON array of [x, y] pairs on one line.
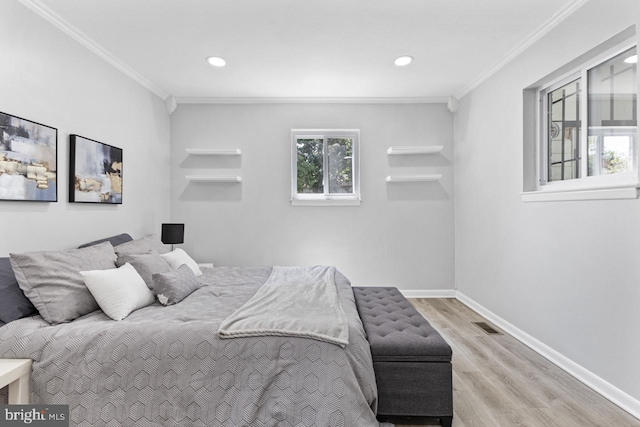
[[412, 362]]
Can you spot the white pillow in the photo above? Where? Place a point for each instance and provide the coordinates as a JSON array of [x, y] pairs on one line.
[[178, 257], [118, 291]]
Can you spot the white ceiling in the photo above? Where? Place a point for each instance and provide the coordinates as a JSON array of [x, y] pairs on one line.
[[306, 48]]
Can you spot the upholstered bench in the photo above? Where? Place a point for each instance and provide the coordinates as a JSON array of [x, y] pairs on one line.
[[412, 362]]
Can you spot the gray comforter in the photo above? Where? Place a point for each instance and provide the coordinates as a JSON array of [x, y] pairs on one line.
[[167, 366]]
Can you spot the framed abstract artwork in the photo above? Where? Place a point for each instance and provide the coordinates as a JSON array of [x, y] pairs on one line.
[[28, 160], [95, 172]]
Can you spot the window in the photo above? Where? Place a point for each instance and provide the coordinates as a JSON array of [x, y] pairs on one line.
[[325, 167], [563, 137], [589, 125], [613, 115]]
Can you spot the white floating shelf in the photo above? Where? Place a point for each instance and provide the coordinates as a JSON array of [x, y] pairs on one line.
[[427, 149], [414, 178], [214, 151], [209, 178]]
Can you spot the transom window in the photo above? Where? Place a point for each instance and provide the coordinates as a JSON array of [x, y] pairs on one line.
[[325, 167], [589, 122]]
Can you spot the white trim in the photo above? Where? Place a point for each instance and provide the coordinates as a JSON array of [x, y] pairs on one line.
[[428, 293], [73, 32], [599, 385], [321, 133], [312, 100], [630, 192], [540, 32], [170, 104], [326, 202], [452, 104]]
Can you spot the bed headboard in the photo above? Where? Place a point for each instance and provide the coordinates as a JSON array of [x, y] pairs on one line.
[[115, 240]]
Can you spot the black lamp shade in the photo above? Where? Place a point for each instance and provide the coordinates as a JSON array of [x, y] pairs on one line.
[[172, 233]]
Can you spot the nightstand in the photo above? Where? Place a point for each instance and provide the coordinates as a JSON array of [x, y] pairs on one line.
[[16, 373]]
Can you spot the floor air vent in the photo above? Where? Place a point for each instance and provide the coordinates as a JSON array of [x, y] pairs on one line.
[[487, 328]]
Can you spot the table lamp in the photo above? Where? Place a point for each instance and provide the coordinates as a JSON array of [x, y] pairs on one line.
[[172, 234]]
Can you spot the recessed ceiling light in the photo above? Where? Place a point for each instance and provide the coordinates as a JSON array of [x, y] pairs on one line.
[[216, 61], [401, 61], [633, 59]]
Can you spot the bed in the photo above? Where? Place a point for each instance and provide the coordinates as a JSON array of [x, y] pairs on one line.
[[167, 365]]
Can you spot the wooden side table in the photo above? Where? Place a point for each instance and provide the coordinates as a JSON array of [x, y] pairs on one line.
[[16, 373]]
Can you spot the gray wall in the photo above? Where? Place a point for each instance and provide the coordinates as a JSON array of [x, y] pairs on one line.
[[47, 77], [566, 273], [401, 235]]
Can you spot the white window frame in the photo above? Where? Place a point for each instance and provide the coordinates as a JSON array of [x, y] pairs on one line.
[[326, 199], [614, 186]]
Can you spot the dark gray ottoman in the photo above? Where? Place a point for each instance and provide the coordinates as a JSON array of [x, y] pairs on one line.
[[412, 362]]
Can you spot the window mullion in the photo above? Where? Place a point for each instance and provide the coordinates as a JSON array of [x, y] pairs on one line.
[[563, 141], [543, 158], [294, 165], [584, 124], [325, 166]]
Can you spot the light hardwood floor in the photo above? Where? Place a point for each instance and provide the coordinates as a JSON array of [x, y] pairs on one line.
[[498, 381]]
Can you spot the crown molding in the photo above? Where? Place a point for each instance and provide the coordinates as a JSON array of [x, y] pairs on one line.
[[171, 104], [540, 32], [55, 19], [452, 104], [46, 13], [311, 100]]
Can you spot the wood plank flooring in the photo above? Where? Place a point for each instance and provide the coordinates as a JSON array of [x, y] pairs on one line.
[[498, 381]]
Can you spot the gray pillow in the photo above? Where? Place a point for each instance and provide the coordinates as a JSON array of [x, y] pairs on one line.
[[176, 285], [146, 265], [52, 281], [13, 303], [142, 246]]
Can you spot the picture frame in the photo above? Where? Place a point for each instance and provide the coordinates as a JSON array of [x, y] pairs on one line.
[[95, 171], [28, 160]]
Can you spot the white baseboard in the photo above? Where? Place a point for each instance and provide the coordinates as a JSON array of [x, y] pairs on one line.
[[428, 293], [606, 389]]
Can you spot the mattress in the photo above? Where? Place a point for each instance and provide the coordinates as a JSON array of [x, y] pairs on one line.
[[167, 366]]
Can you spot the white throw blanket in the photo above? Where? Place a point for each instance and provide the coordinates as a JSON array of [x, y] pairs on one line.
[[295, 302]]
